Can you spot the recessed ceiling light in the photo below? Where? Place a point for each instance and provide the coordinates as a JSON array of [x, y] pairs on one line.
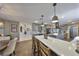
[[62, 16], [73, 22]]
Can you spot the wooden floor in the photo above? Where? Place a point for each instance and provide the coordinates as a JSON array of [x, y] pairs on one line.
[[24, 48]]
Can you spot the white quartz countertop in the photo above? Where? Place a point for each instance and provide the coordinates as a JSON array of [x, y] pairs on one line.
[[60, 47]]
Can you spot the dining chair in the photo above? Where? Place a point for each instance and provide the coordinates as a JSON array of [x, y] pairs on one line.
[[10, 48]]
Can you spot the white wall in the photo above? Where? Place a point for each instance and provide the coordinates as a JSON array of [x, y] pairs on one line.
[[22, 36], [7, 28], [72, 15]]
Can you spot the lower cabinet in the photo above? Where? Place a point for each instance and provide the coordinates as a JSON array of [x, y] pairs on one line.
[[40, 49], [35, 46], [44, 50]]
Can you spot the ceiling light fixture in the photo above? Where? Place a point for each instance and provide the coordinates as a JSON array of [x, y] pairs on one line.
[[42, 24], [55, 18]]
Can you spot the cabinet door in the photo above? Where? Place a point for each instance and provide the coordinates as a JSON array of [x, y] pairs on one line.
[[35, 46], [45, 51], [42, 53]]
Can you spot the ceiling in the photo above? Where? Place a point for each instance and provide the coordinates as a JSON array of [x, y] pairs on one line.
[[29, 12]]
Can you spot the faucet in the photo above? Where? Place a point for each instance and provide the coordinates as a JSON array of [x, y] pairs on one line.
[[45, 34]]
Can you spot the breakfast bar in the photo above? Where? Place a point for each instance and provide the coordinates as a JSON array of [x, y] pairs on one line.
[[58, 46]]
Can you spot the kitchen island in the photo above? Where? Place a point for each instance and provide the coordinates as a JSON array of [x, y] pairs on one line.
[[55, 46]]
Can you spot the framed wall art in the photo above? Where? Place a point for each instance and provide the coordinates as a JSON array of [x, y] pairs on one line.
[[13, 28]]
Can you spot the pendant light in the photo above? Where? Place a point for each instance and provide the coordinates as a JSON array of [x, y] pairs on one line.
[[42, 24], [55, 18]]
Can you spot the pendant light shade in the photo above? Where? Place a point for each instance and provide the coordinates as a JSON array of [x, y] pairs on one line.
[[55, 18], [42, 24]]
